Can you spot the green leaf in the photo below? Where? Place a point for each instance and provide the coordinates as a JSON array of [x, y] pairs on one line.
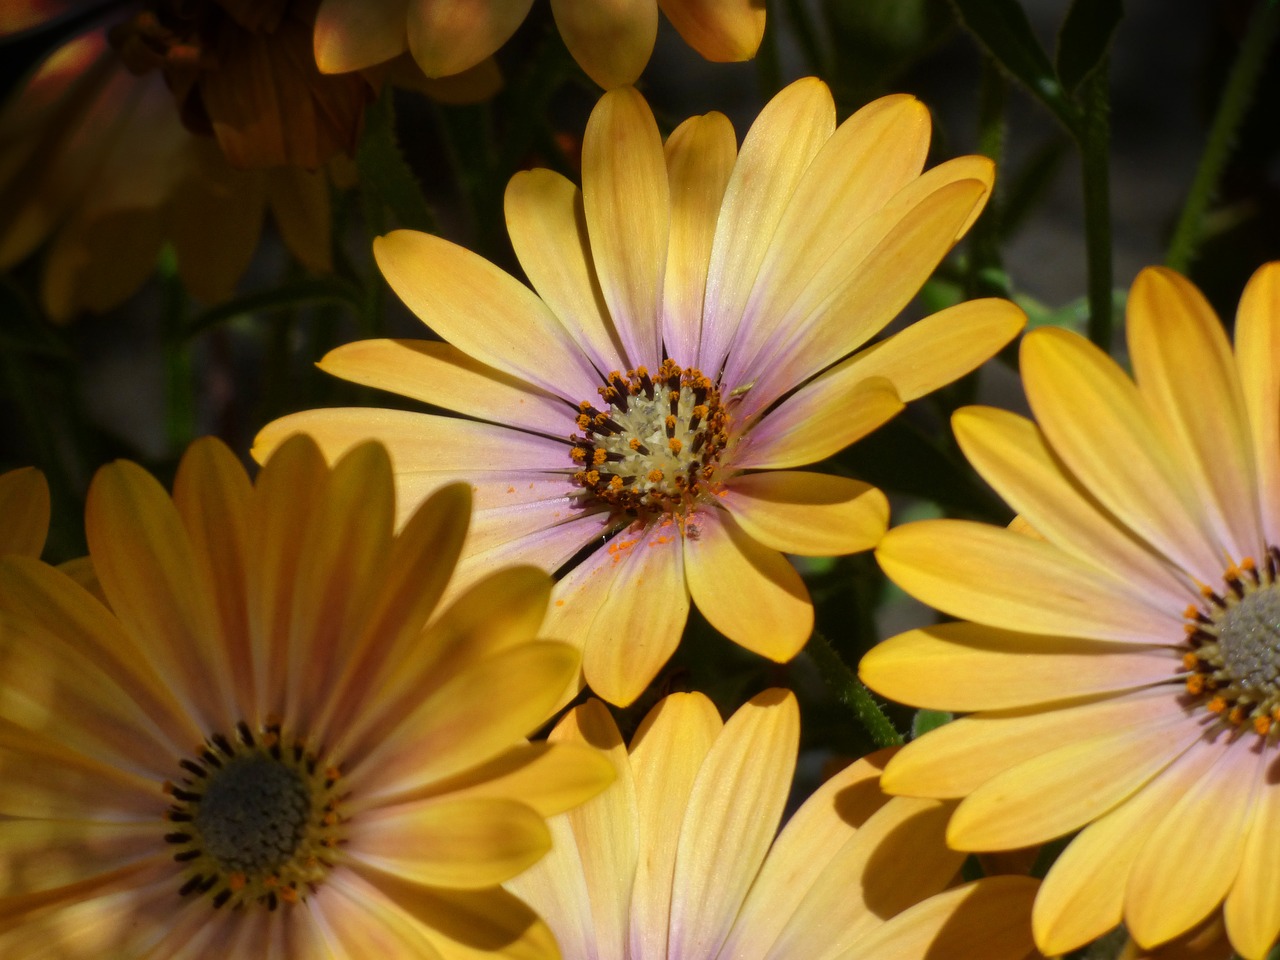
[[926, 720], [1002, 27], [1085, 39], [313, 290], [384, 170]]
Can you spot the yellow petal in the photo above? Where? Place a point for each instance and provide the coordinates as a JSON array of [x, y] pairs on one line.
[[811, 514], [1252, 909], [299, 200], [700, 157], [449, 36], [1064, 788], [548, 229], [1007, 580], [1177, 878], [1083, 893], [985, 920], [1175, 336], [1100, 427], [354, 34], [936, 350], [667, 752], [610, 39], [746, 590], [966, 667], [52, 853], [730, 822], [1257, 346], [777, 150], [720, 30], [484, 312], [956, 759], [627, 203], [1013, 456], [813, 424], [24, 505], [466, 844]]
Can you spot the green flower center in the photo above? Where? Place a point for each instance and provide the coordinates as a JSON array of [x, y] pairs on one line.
[[656, 448], [255, 820], [1234, 641]]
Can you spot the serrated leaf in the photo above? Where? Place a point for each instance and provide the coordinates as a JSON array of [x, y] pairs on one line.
[[1085, 38], [926, 720], [1003, 28], [384, 170]]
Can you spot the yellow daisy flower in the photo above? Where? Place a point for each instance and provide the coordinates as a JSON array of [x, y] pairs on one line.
[[691, 341], [258, 750], [24, 512], [610, 39], [678, 858], [1124, 661]]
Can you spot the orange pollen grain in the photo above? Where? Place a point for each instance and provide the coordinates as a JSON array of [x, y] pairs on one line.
[[1262, 725], [1189, 660], [1216, 705], [236, 882], [675, 445], [1195, 684]]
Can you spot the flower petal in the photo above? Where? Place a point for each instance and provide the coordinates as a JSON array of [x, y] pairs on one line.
[[354, 34], [1178, 879], [811, 514], [484, 312], [1083, 894], [24, 504], [777, 150], [627, 203], [1064, 788], [1252, 910], [449, 36], [1098, 424], [1007, 580], [1012, 455], [746, 590], [700, 156], [610, 39], [813, 424], [462, 843], [667, 752], [1257, 346], [730, 821], [548, 229], [720, 30], [967, 666], [1174, 336]]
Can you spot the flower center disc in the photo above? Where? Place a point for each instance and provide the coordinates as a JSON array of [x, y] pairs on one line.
[[255, 820], [1235, 646], [657, 446]]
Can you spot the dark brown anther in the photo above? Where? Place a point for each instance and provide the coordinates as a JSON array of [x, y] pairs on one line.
[[177, 838], [646, 383], [184, 855], [698, 441], [192, 767], [190, 885], [246, 736], [220, 899]]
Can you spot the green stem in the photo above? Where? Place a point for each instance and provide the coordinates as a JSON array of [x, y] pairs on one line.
[[985, 271], [851, 692], [1236, 97], [1093, 134], [180, 420]]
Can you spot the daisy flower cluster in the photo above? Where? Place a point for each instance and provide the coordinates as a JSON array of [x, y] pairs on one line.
[[550, 620]]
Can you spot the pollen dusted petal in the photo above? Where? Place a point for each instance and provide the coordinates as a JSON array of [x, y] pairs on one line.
[[627, 202], [700, 157], [749, 592], [354, 34], [484, 312], [548, 229], [722, 844], [610, 39], [777, 150], [967, 666], [1011, 454], [720, 30], [810, 514], [1178, 878], [24, 503], [667, 751], [1252, 910], [549, 547], [1257, 346], [813, 424], [1115, 452], [1013, 582], [1062, 789], [1175, 338], [449, 36], [1083, 894]]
